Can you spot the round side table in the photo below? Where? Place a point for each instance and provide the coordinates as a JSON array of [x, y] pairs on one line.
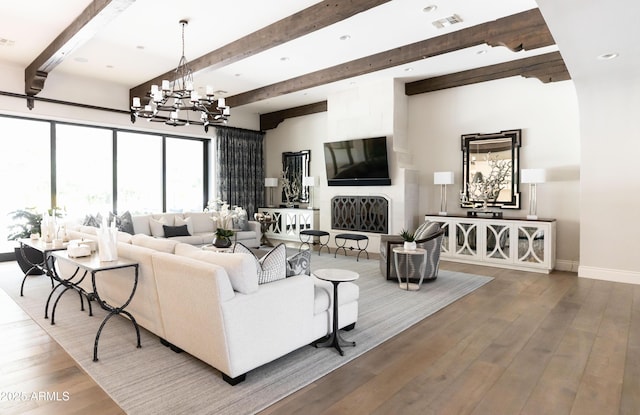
[[336, 276], [408, 253]]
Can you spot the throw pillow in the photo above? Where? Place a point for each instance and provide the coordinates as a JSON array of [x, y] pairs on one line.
[[427, 229], [179, 221], [90, 220], [272, 266], [170, 231], [156, 226], [124, 222], [299, 263]]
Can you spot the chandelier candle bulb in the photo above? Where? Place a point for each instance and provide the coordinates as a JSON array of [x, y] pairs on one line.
[[154, 89], [136, 102], [165, 86], [209, 90], [221, 102]]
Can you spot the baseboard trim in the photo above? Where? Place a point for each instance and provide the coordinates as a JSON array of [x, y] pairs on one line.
[[567, 265], [607, 274]]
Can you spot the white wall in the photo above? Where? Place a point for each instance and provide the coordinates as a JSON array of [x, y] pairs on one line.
[[547, 114], [548, 117]]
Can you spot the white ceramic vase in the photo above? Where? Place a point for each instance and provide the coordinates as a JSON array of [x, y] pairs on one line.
[[410, 246]]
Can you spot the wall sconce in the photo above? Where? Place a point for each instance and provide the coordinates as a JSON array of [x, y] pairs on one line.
[[443, 178], [270, 182], [309, 181], [533, 177]]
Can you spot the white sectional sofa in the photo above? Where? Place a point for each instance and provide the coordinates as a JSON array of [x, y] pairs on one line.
[[201, 225], [210, 304]]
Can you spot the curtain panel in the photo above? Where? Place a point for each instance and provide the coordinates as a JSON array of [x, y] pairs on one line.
[[240, 167]]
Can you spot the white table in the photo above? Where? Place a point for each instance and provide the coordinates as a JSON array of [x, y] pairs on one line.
[[336, 276], [409, 252]]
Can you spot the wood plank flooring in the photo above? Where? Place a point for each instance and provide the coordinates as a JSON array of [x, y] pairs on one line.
[[523, 344]]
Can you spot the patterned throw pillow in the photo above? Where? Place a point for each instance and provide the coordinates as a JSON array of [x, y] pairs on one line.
[[90, 220], [427, 229], [299, 264], [272, 266], [124, 222]]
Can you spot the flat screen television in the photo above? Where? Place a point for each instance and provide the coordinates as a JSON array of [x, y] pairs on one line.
[[359, 162]]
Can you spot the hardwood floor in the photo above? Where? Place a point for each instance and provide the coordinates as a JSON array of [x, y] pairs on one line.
[[38, 376], [523, 344]]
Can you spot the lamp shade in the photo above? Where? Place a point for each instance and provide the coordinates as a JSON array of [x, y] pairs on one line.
[[271, 182], [443, 177], [533, 176], [309, 181]]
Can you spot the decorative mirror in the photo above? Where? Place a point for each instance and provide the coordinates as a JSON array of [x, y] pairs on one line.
[[295, 166], [491, 170]]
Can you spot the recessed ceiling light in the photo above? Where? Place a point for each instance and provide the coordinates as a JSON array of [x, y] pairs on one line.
[[238, 74], [481, 52], [284, 58], [608, 56], [6, 42], [221, 92], [110, 66], [81, 59], [408, 69], [345, 37], [140, 47], [430, 8]]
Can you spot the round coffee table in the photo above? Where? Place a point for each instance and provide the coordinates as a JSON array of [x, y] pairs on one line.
[[335, 276]]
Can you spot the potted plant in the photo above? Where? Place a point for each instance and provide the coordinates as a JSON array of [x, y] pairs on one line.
[[222, 238], [26, 225], [409, 239]]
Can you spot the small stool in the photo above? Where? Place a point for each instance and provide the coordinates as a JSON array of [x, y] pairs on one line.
[[344, 237], [306, 236]]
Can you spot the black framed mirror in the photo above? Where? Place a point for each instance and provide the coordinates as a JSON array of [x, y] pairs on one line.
[[491, 170], [295, 166]]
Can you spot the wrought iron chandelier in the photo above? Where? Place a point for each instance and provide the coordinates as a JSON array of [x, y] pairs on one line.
[[173, 100]]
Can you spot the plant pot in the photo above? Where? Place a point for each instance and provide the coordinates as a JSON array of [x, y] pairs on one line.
[[410, 246], [221, 242], [34, 256]]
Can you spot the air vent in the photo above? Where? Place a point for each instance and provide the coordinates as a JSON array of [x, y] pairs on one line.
[[447, 21]]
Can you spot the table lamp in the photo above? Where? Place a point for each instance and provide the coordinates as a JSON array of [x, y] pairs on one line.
[[443, 178], [533, 177], [309, 181], [271, 182]]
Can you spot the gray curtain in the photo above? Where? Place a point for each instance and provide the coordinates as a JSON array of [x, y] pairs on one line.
[[240, 167]]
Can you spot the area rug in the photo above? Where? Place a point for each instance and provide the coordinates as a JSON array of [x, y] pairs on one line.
[[154, 380]]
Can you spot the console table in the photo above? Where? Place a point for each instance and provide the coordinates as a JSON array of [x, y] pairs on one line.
[[288, 222], [93, 265], [516, 243]]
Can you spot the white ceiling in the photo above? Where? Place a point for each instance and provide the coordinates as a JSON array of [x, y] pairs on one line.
[[144, 41]]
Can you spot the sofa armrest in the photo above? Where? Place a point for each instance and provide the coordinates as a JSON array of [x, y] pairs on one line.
[[265, 325]]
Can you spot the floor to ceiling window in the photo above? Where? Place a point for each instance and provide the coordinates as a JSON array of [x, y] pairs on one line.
[[184, 175], [139, 172], [90, 170], [25, 166], [84, 169]]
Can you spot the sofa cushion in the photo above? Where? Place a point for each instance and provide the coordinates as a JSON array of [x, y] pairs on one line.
[[124, 222], [141, 224], [272, 266], [162, 245], [170, 231], [239, 267], [201, 222]]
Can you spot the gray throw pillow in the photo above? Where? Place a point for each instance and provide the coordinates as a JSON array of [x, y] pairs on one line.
[[124, 222], [272, 266], [299, 264]]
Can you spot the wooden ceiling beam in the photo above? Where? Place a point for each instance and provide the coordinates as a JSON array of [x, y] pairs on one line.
[[271, 120], [92, 19], [309, 20], [521, 31], [548, 67]]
